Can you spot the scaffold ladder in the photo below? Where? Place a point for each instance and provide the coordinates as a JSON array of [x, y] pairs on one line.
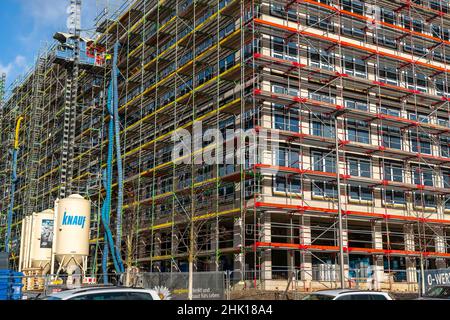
[[71, 90], [35, 132]]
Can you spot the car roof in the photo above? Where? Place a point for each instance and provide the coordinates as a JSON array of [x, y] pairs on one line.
[[336, 292], [71, 292]]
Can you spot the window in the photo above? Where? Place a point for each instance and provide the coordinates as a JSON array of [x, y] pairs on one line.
[[393, 172], [412, 24], [286, 122], [322, 126], [387, 16], [284, 50], [444, 122], [324, 189], [319, 22], [394, 197], [441, 5], [102, 296], [388, 74], [439, 32], [346, 297], [358, 131], [285, 184], [420, 143], [359, 168], [323, 162], [442, 87], [280, 11], [353, 6], [422, 176], [321, 59], [386, 40], [288, 158], [227, 63], [285, 90], [392, 138], [424, 200], [353, 29], [139, 296], [377, 297], [445, 146], [446, 179], [319, 96], [355, 67], [440, 56], [360, 193], [356, 104], [390, 111], [204, 75], [415, 48], [446, 203], [420, 117], [417, 81]]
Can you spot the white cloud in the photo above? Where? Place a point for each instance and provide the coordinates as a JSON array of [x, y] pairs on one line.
[[6, 68], [14, 68], [20, 61]]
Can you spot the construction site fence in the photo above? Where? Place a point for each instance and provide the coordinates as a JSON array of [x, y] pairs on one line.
[[174, 285], [222, 285], [320, 278]]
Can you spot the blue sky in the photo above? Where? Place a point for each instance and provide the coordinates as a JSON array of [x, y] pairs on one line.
[[26, 24]]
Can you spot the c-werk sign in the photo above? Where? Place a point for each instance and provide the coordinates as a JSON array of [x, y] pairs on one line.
[[436, 278]]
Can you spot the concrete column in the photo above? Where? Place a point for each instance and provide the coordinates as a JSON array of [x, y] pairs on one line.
[[291, 253], [157, 250], [378, 264], [238, 228], [440, 246], [174, 249], [346, 260], [214, 265], [306, 257], [411, 271], [266, 256]]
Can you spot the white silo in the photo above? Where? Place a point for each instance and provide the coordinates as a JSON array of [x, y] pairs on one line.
[[71, 241], [36, 241]]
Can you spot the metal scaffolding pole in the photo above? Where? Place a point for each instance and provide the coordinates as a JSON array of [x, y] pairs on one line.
[[338, 188]]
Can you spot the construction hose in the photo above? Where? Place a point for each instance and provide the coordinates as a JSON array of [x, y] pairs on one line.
[[118, 148], [13, 184], [113, 138], [11, 203]]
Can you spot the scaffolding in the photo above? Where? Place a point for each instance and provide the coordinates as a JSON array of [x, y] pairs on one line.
[[356, 94]]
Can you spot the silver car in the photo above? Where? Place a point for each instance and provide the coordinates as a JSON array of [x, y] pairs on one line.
[[347, 294], [105, 293]]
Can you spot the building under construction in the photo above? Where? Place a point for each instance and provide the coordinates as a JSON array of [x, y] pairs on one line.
[[356, 93]]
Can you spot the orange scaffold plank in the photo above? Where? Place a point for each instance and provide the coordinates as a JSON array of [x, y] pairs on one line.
[[349, 213], [291, 66], [349, 45], [293, 246], [358, 180], [373, 21]]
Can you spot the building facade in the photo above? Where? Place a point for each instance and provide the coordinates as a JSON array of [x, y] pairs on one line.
[[363, 82]]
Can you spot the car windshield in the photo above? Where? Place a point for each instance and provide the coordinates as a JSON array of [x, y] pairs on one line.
[[316, 296], [439, 292]]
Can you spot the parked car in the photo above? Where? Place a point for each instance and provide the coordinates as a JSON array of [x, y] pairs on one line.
[[437, 293], [346, 294], [105, 293]]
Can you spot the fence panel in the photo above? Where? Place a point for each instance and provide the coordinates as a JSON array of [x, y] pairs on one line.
[[206, 285]]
